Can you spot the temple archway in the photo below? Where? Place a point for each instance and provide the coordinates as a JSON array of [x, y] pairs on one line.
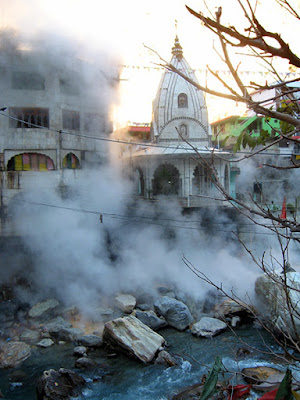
[[166, 180]]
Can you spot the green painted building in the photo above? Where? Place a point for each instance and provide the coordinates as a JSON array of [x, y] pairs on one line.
[[234, 125]]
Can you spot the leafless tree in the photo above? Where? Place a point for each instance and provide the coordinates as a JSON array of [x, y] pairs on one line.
[[265, 45]]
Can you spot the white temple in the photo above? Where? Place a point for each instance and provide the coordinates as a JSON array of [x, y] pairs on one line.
[[172, 165], [179, 106]]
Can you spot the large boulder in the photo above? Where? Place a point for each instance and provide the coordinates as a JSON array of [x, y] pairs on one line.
[[125, 302], [151, 319], [59, 385], [131, 336], [89, 340], [13, 354], [229, 309], [30, 336], [208, 327], [174, 311], [55, 325], [67, 334], [85, 363], [43, 307], [273, 291]]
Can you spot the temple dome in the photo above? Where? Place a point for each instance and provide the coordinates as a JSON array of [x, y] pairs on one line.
[[179, 106]]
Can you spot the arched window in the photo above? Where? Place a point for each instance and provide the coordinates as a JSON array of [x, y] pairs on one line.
[[166, 180], [201, 180], [29, 117], [183, 130], [71, 161], [139, 181], [30, 162], [182, 100]]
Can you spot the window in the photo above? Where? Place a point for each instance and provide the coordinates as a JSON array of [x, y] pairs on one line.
[[202, 182], [183, 129], [69, 86], [166, 180], [30, 162], [70, 161], [182, 100], [27, 81], [29, 117], [93, 122], [71, 120]]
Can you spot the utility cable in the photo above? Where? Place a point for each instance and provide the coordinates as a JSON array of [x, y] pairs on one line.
[[140, 144], [139, 219]]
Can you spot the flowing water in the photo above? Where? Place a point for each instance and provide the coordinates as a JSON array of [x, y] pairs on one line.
[[130, 380]]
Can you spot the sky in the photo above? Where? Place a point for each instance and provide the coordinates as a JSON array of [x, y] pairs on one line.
[[125, 27]]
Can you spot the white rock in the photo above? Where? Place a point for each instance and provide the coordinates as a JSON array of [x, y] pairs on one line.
[[208, 327], [45, 343], [125, 302], [133, 337], [271, 291]]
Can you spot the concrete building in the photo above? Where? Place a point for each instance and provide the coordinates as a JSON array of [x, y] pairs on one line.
[[226, 131], [175, 162], [52, 110]]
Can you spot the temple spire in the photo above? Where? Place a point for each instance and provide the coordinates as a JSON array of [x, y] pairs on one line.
[[177, 49]]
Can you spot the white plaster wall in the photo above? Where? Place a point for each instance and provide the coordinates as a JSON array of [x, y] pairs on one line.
[[45, 140]]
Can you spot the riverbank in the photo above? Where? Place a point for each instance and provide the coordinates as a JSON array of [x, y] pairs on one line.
[[127, 379], [111, 375]]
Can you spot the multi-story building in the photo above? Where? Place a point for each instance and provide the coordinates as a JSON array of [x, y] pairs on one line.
[[52, 113], [226, 131]]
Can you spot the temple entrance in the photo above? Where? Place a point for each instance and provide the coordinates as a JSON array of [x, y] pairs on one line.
[[166, 180]]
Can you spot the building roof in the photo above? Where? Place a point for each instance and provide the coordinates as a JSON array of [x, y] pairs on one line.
[[227, 119], [180, 149], [169, 114], [138, 128]]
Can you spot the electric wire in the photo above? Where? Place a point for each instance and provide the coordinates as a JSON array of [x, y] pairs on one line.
[[181, 221], [140, 144], [141, 219], [111, 215]]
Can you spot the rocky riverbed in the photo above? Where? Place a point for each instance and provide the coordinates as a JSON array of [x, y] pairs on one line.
[[158, 346]]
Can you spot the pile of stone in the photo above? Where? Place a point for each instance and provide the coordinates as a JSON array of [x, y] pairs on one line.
[[129, 326], [48, 323]]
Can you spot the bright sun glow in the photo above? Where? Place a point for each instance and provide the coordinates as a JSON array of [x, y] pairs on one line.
[[123, 27]]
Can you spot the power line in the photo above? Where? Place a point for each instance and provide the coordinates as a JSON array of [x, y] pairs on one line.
[[140, 144], [142, 219]]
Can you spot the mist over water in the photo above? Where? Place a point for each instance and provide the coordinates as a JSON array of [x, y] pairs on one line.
[[135, 249], [138, 246]]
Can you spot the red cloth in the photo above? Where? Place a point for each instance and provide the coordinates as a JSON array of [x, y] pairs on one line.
[[283, 211], [238, 391], [269, 395]]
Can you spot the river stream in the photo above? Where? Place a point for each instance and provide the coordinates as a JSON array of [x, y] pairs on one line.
[[128, 379]]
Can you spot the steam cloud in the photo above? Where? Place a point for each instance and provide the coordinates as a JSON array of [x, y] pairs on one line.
[[83, 261]]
